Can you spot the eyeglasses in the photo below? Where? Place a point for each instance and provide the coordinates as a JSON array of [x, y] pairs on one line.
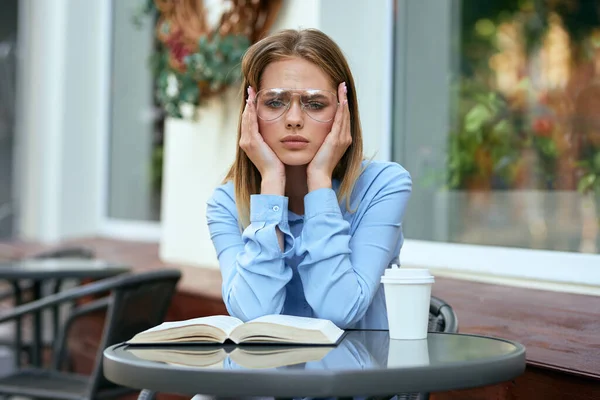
[[319, 105]]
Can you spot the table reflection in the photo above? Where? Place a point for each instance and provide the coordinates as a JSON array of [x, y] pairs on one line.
[[359, 350]]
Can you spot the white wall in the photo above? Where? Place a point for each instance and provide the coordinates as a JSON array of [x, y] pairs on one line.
[[364, 31], [85, 115], [62, 116], [38, 125], [296, 14]]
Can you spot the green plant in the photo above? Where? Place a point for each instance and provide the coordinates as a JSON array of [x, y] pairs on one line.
[[540, 138], [519, 139], [213, 67], [484, 144], [156, 168], [186, 74], [590, 179]]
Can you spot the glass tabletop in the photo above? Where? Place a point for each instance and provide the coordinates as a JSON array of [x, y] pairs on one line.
[[363, 363], [359, 350]]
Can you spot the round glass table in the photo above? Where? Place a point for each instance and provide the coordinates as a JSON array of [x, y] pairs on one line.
[[364, 363]]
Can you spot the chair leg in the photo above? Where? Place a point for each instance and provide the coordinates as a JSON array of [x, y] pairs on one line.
[[147, 395], [37, 356], [18, 295], [56, 310]]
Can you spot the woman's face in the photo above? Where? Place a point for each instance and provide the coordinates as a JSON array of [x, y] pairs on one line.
[[294, 136]]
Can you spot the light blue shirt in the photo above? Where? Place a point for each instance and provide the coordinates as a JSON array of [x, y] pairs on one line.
[[333, 259]]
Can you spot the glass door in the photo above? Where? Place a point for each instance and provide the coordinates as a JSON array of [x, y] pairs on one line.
[[134, 150]]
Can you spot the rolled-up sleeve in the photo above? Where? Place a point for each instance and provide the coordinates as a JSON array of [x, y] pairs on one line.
[[251, 262]]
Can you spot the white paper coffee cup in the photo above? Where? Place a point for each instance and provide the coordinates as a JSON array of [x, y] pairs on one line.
[[407, 297]]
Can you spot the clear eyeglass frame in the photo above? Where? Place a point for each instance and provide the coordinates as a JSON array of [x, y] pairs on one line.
[[295, 92]]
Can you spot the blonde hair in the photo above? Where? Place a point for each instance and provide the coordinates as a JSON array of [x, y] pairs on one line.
[[318, 48]]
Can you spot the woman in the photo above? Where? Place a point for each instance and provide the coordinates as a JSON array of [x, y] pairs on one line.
[[303, 225]]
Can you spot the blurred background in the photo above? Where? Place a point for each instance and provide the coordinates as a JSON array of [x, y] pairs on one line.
[[117, 119]]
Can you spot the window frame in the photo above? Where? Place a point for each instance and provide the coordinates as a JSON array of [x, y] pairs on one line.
[[126, 229], [554, 270]]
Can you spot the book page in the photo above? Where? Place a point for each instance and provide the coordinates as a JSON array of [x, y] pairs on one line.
[[193, 358], [224, 322], [287, 329], [294, 321]]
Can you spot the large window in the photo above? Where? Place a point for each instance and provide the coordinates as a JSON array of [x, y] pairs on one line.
[[497, 117], [134, 151]]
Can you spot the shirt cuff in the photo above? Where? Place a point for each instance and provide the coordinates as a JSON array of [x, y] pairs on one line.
[[268, 208], [321, 201]]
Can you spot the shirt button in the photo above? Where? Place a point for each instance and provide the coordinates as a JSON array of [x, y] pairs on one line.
[[275, 208]]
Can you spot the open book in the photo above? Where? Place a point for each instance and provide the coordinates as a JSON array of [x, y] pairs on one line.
[[246, 357], [220, 328]]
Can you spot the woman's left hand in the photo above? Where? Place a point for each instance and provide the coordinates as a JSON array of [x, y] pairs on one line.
[[334, 146]]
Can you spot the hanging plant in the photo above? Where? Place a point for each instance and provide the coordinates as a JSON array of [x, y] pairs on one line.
[[194, 60]]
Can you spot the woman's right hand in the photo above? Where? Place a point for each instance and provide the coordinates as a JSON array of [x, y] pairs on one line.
[[272, 170]]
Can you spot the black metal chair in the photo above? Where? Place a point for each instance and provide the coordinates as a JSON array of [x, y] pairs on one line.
[[442, 317], [134, 302], [20, 289]]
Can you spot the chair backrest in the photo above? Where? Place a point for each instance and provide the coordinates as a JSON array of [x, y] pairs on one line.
[[137, 302], [442, 317]]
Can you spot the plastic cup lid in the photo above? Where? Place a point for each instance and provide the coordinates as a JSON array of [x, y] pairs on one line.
[[407, 275]]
